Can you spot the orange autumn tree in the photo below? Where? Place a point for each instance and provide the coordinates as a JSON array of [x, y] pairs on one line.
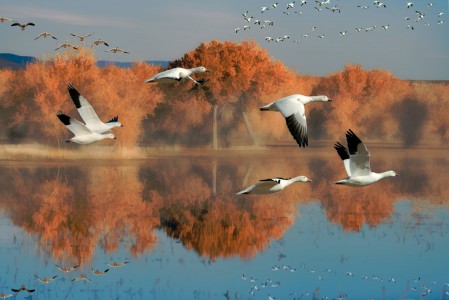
[[362, 99], [436, 96], [111, 90], [241, 76]]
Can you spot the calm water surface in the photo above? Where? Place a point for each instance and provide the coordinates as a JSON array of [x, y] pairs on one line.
[[186, 235]]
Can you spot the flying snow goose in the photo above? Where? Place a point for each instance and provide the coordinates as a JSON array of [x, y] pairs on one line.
[[22, 288], [272, 185], [82, 37], [5, 296], [334, 9], [116, 50], [46, 34], [66, 269], [99, 42], [293, 110], [356, 160], [83, 135], [81, 277], [66, 44], [45, 280], [23, 26], [291, 5], [263, 8], [118, 264], [4, 19], [99, 273], [177, 74], [88, 113]]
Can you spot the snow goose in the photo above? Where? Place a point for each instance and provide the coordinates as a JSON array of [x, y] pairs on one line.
[[4, 19], [22, 288], [100, 273], [45, 280], [82, 37], [334, 9], [118, 264], [409, 4], [46, 34], [303, 2], [116, 50], [356, 160], [272, 185], [23, 26], [274, 5], [83, 135], [291, 5], [263, 8], [293, 110], [99, 42], [88, 113], [64, 45], [177, 74], [81, 277], [5, 296], [66, 269]]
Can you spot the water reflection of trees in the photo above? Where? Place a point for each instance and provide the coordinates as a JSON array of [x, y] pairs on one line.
[[74, 209]]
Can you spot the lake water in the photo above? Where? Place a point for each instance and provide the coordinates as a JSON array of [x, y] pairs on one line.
[[184, 233]]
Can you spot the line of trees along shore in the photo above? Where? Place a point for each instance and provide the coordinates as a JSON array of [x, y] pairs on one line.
[[224, 113]]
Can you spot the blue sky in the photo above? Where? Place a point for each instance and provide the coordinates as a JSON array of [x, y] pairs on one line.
[[165, 30]]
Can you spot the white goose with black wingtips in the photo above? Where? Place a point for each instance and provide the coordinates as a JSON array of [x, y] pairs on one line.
[[176, 75], [88, 113], [356, 160], [293, 110], [272, 185], [83, 135]]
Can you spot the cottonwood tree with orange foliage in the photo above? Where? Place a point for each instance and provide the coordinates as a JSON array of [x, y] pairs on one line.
[[41, 90], [241, 75], [362, 100]]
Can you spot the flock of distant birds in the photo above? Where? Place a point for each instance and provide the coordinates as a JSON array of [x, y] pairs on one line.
[[66, 44], [418, 288], [252, 21], [65, 270]]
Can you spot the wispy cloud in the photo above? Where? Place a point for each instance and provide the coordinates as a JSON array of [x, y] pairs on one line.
[[63, 17]]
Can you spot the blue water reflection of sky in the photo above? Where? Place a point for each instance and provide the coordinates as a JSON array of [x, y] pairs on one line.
[[393, 256]]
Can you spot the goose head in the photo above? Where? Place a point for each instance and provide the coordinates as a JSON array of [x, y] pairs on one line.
[[199, 70], [302, 179]]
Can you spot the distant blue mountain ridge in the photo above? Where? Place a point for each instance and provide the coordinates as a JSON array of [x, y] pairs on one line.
[[16, 62]]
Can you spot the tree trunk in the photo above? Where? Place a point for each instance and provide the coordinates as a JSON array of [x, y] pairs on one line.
[[215, 129], [214, 178], [249, 128]]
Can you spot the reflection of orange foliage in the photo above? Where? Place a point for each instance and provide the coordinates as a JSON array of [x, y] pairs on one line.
[[352, 207], [77, 209]]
